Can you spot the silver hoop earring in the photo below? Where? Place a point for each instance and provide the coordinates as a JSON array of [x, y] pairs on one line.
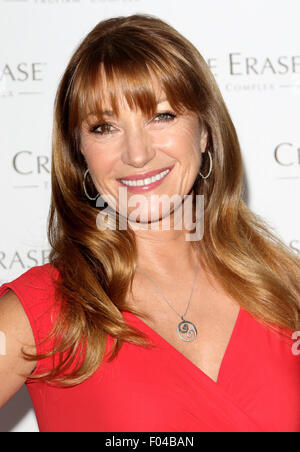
[[84, 187], [210, 167]]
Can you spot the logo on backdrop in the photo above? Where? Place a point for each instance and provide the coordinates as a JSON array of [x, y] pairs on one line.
[[31, 170], [241, 72], [287, 157], [22, 79]]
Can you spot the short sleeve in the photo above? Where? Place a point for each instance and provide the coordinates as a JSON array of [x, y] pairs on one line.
[[36, 292]]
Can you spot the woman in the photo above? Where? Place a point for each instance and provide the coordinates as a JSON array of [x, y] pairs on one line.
[[139, 328]]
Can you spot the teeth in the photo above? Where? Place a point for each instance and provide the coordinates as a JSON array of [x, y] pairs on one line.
[[141, 182]]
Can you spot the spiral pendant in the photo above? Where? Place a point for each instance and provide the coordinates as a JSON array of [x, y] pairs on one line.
[[186, 331]]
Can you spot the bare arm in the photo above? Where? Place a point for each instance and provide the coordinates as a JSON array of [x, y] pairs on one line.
[[15, 327]]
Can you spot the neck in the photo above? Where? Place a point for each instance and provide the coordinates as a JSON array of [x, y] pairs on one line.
[[165, 252]]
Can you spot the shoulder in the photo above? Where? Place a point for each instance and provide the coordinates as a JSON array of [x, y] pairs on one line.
[[39, 274], [35, 281], [35, 291]]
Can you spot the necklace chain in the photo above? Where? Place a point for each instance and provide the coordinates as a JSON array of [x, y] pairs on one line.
[[167, 301]]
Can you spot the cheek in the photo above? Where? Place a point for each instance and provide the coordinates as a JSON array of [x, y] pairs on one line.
[[185, 147], [99, 161]]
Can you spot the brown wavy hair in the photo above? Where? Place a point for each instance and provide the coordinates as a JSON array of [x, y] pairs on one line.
[[97, 267]]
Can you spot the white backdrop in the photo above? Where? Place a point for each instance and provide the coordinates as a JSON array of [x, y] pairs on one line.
[[253, 49]]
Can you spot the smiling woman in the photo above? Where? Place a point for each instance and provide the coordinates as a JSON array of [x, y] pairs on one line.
[[143, 330], [161, 152]]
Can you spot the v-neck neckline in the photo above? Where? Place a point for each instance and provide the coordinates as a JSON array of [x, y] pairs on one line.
[[158, 339]]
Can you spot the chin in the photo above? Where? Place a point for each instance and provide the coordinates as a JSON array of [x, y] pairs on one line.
[[150, 219]]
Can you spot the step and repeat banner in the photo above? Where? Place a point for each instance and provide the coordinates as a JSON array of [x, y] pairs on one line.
[[253, 50]]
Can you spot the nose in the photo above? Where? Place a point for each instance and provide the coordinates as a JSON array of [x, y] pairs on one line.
[[138, 150]]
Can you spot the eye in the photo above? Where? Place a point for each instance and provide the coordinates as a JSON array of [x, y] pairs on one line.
[[104, 128], [166, 116], [101, 129]]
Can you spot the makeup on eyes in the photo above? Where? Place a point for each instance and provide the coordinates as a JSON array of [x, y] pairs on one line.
[[172, 116]]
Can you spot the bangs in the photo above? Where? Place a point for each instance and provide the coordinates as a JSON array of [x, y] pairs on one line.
[[104, 82]]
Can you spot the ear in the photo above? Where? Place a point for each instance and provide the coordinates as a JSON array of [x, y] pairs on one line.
[[203, 140]]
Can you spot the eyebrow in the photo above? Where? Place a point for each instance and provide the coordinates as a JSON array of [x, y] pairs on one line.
[[111, 113]]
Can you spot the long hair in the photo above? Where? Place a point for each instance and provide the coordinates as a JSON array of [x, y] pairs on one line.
[[97, 267]]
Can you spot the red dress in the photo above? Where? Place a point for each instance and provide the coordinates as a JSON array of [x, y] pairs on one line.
[[159, 389]]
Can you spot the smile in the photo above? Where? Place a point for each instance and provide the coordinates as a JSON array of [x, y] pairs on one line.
[[151, 181], [147, 181]]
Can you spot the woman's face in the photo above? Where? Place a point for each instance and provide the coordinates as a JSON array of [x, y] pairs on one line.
[[121, 151]]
